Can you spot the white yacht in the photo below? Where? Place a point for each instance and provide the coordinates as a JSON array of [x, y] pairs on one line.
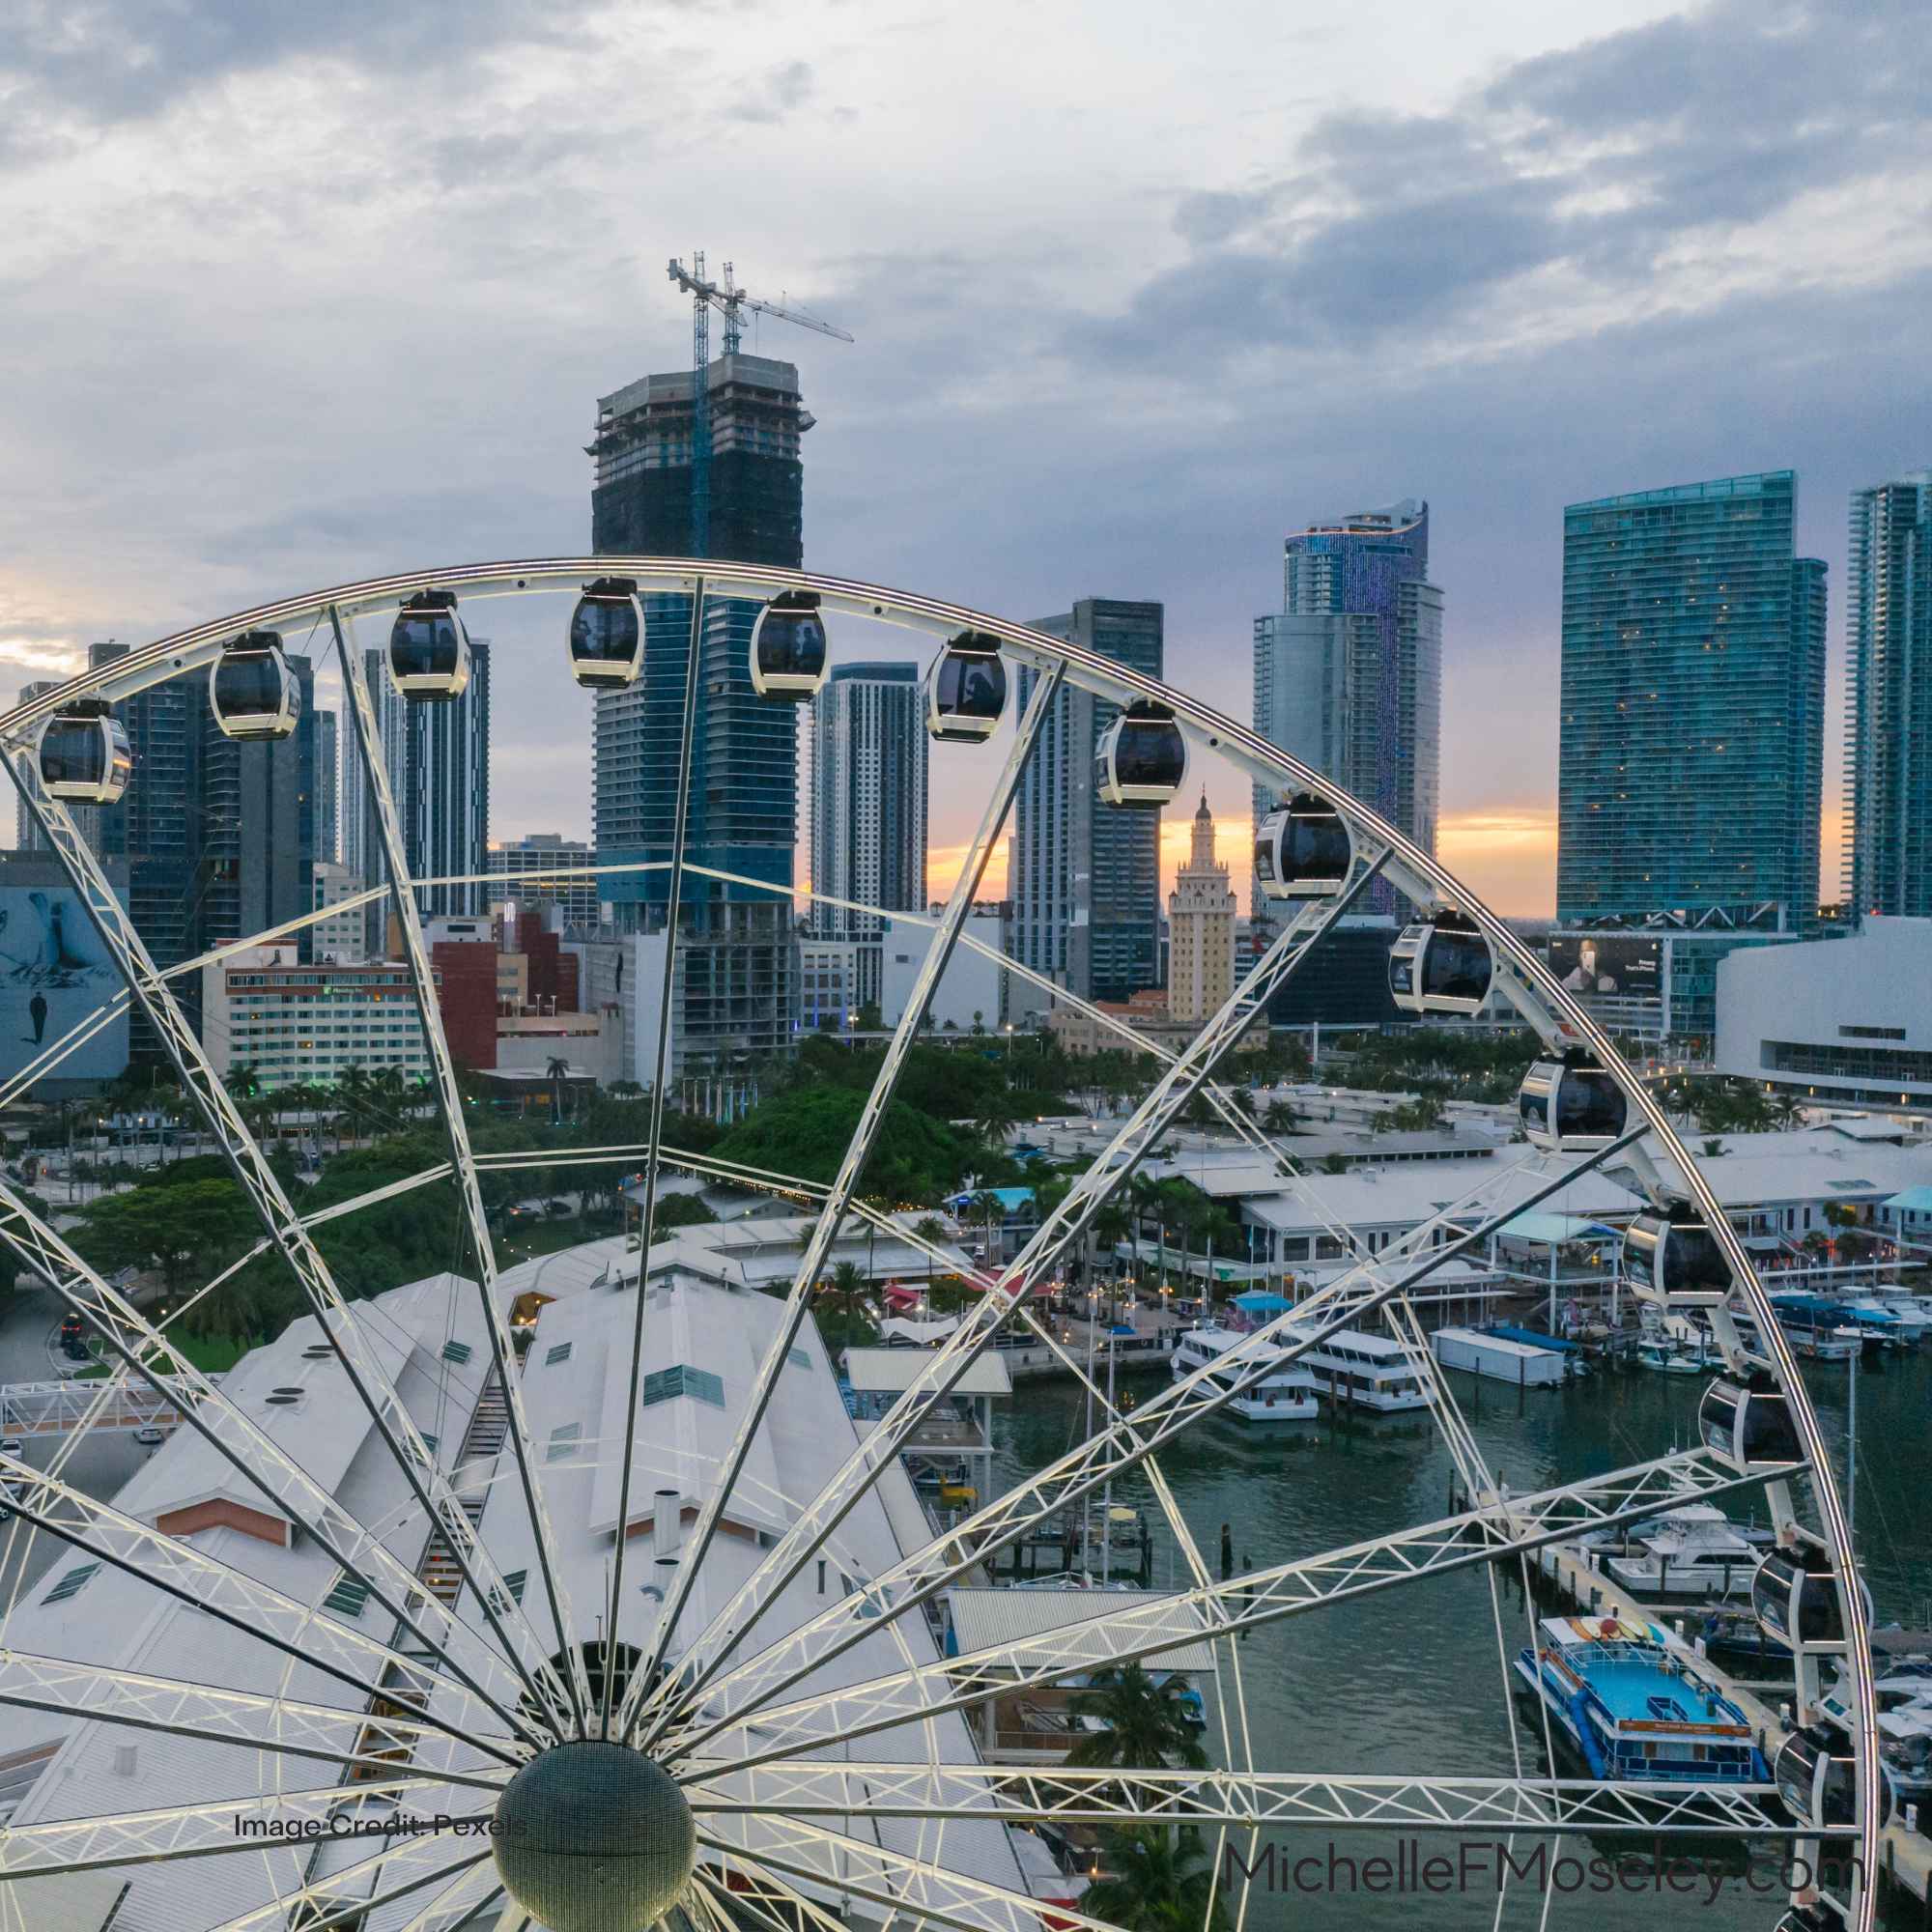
[[1366, 1371], [1286, 1394], [1694, 1551]]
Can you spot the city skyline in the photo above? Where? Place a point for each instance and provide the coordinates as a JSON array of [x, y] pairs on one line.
[[1209, 330]]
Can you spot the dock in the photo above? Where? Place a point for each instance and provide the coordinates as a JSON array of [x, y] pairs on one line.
[[1905, 1855]]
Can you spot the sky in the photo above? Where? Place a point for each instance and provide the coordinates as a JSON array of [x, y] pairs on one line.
[[295, 295]]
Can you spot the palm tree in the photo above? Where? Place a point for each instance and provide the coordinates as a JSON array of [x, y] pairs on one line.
[[991, 1209], [932, 1230], [1280, 1117], [1147, 1727], [556, 1071], [847, 1279], [1157, 1881], [1108, 1229]]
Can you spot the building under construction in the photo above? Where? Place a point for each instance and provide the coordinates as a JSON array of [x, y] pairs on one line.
[[737, 975]]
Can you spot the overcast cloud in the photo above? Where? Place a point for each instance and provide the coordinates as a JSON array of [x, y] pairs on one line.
[[294, 294]]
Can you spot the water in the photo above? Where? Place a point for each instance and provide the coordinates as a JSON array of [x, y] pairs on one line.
[[1406, 1682]]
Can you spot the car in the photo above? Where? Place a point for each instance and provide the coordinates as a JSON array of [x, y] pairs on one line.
[[12, 1445], [150, 1437]]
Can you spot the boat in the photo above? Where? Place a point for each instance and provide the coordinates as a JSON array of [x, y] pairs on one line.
[[1739, 1635], [1899, 1326], [1359, 1371], [1694, 1551], [1670, 1356], [1284, 1394], [1905, 1750], [1629, 1697], [1818, 1327]]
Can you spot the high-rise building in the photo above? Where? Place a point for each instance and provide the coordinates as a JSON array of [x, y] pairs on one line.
[[1084, 876], [737, 975], [514, 859], [1349, 675], [1888, 726], [438, 759], [1201, 930], [327, 790], [1691, 739], [256, 852], [869, 804]]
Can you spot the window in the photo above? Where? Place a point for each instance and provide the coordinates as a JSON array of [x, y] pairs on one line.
[[512, 1591], [563, 1441], [456, 1351], [346, 1596], [667, 1384], [559, 1353], [71, 1584]]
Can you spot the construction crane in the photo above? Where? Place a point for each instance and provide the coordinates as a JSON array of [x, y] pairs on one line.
[[733, 304]]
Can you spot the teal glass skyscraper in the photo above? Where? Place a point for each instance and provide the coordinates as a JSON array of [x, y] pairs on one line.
[[1889, 730], [1692, 748]]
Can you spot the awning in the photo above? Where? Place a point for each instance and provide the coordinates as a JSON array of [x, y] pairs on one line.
[[1553, 1231]]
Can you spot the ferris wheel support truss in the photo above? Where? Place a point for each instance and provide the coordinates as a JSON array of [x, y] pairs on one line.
[[708, 1696]]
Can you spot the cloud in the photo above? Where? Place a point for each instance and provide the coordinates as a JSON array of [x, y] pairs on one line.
[[783, 92]]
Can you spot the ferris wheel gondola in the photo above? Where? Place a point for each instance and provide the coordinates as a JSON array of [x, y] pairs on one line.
[[429, 652], [789, 647], [1303, 850], [1142, 757], [1671, 1256], [1795, 1597], [966, 690], [1572, 1104], [1440, 965], [251, 691], [84, 754], [1815, 1774], [607, 635], [1749, 1424]]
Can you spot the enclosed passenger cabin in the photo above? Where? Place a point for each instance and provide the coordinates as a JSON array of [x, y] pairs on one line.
[[251, 690], [1670, 1255], [607, 635], [1571, 1105], [1303, 850], [1795, 1598], [1440, 965], [1142, 757], [1749, 1424], [429, 654], [84, 754], [789, 647], [966, 690], [1815, 1775]]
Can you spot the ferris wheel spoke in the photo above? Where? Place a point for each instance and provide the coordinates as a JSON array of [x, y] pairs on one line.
[[928, 1892], [344, 1897], [1108, 1452], [1062, 1228], [463, 1902], [185, 1830], [370, 1382], [1069, 1795], [282, 1482], [176, 1568], [760, 1892], [1500, 1527], [845, 1185], [429, 1011], [332, 1733]]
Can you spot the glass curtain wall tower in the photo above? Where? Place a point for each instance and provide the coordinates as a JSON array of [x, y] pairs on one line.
[[1349, 675], [1888, 726], [1084, 876], [869, 804], [1691, 742], [735, 967]]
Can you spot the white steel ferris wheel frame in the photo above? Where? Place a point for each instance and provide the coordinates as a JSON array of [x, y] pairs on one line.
[[739, 1730]]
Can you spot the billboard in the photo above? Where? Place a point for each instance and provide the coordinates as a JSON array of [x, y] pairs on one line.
[[54, 972], [1617, 965]]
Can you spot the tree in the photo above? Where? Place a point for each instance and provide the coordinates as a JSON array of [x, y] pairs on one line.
[[1333, 1162], [556, 1070], [184, 1230], [1156, 1881], [1146, 1722], [932, 1230], [1280, 1117], [991, 1209]]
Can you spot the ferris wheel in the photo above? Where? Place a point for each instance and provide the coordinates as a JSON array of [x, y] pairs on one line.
[[632, 1676]]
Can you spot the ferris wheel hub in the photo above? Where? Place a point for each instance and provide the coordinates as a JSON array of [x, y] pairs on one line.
[[594, 1837]]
